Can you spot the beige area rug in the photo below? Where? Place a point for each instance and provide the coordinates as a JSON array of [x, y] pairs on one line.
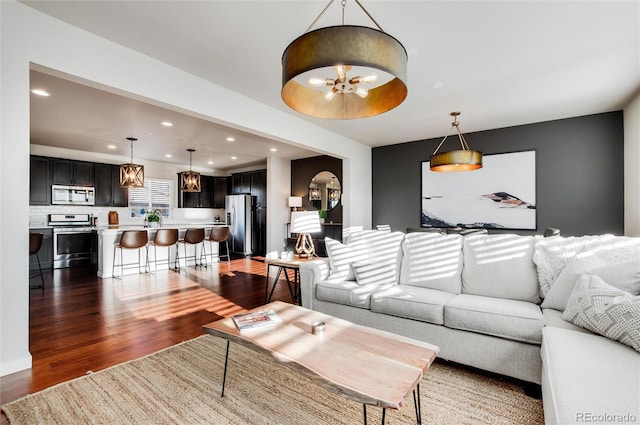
[[181, 385]]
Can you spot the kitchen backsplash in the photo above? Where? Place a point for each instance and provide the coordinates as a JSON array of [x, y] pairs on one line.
[[38, 215]]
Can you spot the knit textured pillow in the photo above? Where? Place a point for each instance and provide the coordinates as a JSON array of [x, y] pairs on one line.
[[603, 309]]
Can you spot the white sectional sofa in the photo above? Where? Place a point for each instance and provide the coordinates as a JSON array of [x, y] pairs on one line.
[[480, 299]]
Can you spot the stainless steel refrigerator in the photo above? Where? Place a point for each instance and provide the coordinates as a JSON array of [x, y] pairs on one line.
[[238, 209]]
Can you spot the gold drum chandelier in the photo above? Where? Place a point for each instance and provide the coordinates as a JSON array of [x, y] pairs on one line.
[[463, 159], [345, 71], [131, 175], [190, 180]]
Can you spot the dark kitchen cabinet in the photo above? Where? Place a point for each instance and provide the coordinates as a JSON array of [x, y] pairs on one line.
[[259, 187], [39, 181], [103, 185], [72, 173], [241, 183], [259, 231], [107, 184], [119, 195], [212, 194], [219, 191]]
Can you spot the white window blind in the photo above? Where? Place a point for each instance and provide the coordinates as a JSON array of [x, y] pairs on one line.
[[156, 194]]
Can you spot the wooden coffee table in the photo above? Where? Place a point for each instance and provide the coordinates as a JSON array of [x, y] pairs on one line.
[[366, 365]]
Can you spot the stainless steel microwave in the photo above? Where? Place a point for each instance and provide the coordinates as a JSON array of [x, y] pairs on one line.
[[73, 195]]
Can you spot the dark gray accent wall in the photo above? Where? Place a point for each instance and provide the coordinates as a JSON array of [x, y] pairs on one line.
[[579, 173]]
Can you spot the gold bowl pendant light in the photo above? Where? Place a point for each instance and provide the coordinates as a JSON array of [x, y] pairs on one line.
[[131, 175], [190, 180], [463, 159], [318, 71]]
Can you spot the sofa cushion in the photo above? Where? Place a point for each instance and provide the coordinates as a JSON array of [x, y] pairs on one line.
[[500, 266], [433, 261], [606, 310], [563, 285], [624, 275], [341, 256], [510, 319], [423, 304], [374, 273], [553, 317], [347, 292], [586, 374]]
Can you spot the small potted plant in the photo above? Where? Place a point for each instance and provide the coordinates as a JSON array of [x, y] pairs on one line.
[[323, 215], [154, 217]]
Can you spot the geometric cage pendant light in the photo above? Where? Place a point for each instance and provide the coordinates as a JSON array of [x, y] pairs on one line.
[[463, 159], [344, 71], [131, 175], [190, 180]]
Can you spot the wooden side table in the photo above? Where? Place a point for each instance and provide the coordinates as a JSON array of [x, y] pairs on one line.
[[284, 265]]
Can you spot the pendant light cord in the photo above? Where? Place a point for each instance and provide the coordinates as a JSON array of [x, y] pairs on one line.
[[343, 3]]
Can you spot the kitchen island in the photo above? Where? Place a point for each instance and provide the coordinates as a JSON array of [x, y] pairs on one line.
[[108, 236]]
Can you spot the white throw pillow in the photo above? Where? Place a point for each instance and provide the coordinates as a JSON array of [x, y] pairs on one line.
[[341, 257], [624, 276], [603, 309], [374, 273], [561, 289]]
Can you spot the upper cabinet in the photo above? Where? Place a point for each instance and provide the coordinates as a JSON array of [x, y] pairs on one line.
[[211, 195], [108, 190], [45, 171], [40, 181], [72, 173]]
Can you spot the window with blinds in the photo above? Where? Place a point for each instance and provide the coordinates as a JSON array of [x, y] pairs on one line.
[[155, 195]]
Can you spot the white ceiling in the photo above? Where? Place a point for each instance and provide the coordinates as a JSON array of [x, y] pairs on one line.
[[501, 63]]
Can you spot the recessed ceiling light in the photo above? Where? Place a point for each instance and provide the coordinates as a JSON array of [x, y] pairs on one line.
[[210, 163], [234, 157], [111, 146], [168, 155], [230, 139], [167, 124], [40, 92], [273, 150]]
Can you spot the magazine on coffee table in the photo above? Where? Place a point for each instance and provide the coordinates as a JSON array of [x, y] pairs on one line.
[[256, 320]]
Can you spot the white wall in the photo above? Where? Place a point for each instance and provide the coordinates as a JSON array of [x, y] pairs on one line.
[[28, 36], [278, 191], [632, 168]]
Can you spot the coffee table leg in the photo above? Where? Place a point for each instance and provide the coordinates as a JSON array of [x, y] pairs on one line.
[[273, 288], [224, 376], [364, 408], [416, 403]]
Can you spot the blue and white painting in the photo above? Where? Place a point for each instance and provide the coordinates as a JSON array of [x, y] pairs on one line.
[[500, 195]]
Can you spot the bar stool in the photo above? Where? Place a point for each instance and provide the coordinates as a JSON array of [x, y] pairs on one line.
[[165, 238], [131, 239], [35, 243], [193, 236], [220, 234]]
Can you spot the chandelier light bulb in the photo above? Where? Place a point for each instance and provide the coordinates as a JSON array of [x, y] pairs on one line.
[[362, 92]]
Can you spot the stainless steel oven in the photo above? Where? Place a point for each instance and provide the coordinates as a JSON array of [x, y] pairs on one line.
[[74, 240]]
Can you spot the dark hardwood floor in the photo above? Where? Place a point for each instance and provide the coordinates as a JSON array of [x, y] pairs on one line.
[[80, 323]]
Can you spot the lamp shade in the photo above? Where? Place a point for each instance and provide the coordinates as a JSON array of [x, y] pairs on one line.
[[295, 201], [305, 222], [317, 52], [131, 175]]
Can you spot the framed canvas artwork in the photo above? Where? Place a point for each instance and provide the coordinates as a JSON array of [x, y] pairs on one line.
[[501, 195]]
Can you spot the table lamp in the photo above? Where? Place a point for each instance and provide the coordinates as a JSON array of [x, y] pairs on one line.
[[303, 223], [295, 202]]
